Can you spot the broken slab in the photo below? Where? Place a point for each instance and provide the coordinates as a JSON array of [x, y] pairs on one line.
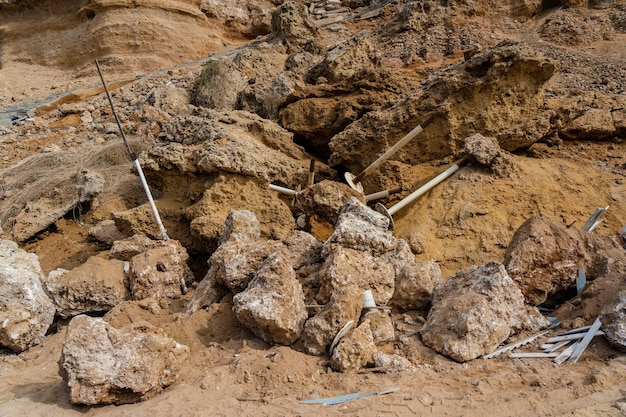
[[26, 312], [272, 306], [95, 286], [319, 331], [475, 310], [355, 350], [414, 285], [160, 272], [105, 365]]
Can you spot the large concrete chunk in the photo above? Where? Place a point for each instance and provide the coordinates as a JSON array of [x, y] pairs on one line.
[[414, 285], [476, 310], [319, 331], [160, 272], [355, 350], [105, 365], [544, 256], [26, 312], [272, 305], [325, 199], [95, 286], [614, 323]]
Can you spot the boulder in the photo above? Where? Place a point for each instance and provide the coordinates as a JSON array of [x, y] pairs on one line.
[[95, 286], [272, 306], [414, 285], [126, 249], [105, 365], [614, 322], [26, 312], [380, 324], [106, 232], [319, 331], [544, 256], [160, 272], [487, 152], [355, 350], [325, 199], [345, 267], [392, 363], [475, 310]]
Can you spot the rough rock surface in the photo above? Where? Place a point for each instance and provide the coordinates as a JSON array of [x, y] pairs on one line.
[[392, 363], [26, 312], [320, 330], [355, 350], [414, 285], [614, 323], [106, 232], [380, 324], [487, 152], [272, 305], [325, 199], [544, 256], [95, 286], [105, 365], [126, 249], [498, 92], [160, 272], [476, 310]]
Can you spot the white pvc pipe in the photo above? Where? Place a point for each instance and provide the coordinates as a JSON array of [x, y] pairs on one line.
[[423, 189], [282, 190], [382, 194], [164, 235]]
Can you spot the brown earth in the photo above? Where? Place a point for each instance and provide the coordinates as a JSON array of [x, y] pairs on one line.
[[577, 165]]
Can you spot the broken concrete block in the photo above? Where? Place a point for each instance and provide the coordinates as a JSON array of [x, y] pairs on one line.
[[414, 285], [126, 249], [95, 286], [208, 291], [475, 310], [346, 266], [614, 323], [381, 325], [272, 306], [26, 312], [361, 228], [319, 331], [392, 363], [302, 249], [355, 350], [240, 225], [325, 199], [544, 256], [105, 365], [106, 232], [487, 151], [160, 272]]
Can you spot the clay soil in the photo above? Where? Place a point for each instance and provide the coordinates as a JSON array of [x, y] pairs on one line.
[[233, 373]]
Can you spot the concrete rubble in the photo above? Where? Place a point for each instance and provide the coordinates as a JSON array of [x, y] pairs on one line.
[[614, 322], [26, 312], [95, 286], [105, 365], [414, 285], [475, 310]]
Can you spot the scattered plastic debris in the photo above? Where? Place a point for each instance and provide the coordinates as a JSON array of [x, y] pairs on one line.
[[595, 219], [581, 281], [512, 346], [347, 397]]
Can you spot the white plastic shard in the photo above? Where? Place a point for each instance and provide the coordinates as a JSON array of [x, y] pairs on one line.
[[586, 340], [512, 346]]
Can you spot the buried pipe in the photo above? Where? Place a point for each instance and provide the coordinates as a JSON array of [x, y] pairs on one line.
[[311, 179], [135, 160], [354, 181], [282, 190], [426, 187], [382, 194]]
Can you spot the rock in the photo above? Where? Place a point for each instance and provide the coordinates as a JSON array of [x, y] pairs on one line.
[[613, 321], [544, 256], [26, 312], [208, 292], [272, 305], [414, 285], [55, 202], [355, 350], [219, 85], [498, 92], [361, 228], [171, 99], [346, 267], [392, 363], [160, 272], [319, 331], [106, 232], [475, 310], [240, 225], [380, 325], [325, 199], [291, 24], [95, 286], [487, 152], [105, 365], [126, 249]]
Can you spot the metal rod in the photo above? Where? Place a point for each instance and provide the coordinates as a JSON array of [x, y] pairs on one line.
[[426, 187], [311, 174], [382, 194], [282, 190], [135, 160], [395, 148]]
